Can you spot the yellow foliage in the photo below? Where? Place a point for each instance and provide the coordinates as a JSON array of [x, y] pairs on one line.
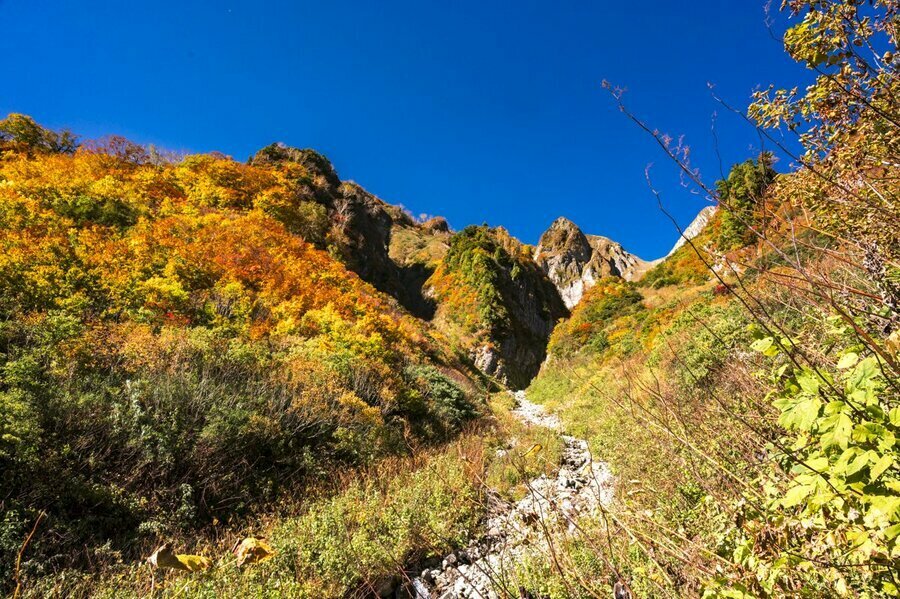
[[252, 551]]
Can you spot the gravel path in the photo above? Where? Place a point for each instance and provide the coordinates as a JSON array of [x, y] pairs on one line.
[[515, 530]]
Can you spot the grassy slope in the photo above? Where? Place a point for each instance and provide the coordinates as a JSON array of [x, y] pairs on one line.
[[365, 531], [661, 379], [176, 351]]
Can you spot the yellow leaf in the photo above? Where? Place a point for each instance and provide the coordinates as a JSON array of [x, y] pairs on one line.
[[534, 449], [252, 551]]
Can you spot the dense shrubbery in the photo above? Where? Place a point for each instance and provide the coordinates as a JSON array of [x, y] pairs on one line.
[[349, 543], [491, 293], [479, 260], [742, 195], [587, 329], [20, 132], [173, 348], [681, 268]]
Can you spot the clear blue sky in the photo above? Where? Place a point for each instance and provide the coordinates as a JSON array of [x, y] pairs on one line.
[[482, 111]]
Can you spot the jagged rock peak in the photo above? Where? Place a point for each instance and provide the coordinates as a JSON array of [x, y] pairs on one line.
[[697, 225], [575, 261], [314, 162], [436, 224], [564, 237]]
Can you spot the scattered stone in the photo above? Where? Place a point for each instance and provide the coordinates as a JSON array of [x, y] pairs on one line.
[[513, 531]]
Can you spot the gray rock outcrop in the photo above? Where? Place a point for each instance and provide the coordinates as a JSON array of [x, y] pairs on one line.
[[575, 261]]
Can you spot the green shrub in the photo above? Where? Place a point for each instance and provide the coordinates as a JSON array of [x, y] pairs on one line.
[[741, 196], [21, 129], [446, 404]]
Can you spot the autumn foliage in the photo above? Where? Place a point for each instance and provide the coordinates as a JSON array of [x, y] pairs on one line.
[[177, 343]]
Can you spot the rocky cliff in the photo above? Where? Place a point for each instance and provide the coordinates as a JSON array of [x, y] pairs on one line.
[[495, 298], [697, 225], [358, 226], [575, 261], [495, 303]]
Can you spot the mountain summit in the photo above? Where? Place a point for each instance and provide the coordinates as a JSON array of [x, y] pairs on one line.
[[575, 261]]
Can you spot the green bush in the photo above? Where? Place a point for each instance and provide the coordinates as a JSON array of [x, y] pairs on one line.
[[741, 196], [446, 405], [21, 129]]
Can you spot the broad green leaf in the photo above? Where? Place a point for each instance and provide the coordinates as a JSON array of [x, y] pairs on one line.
[[848, 360], [839, 427], [881, 465], [796, 495], [834, 407], [761, 345], [895, 416], [803, 414], [817, 464], [863, 375], [891, 532], [809, 382], [882, 509], [858, 463], [843, 462], [868, 432]]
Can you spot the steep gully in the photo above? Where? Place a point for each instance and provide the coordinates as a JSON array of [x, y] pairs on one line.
[[513, 531]]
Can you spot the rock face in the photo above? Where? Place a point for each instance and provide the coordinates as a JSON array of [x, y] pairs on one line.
[[360, 225], [490, 293], [575, 261], [697, 225]]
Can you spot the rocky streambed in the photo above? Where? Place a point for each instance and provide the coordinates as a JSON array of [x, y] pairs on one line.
[[515, 530]]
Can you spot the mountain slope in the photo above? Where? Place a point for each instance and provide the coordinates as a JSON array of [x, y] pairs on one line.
[[183, 341], [697, 225], [358, 226]]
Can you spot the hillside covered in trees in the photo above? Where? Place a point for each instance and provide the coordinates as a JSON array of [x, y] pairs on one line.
[[196, 351]]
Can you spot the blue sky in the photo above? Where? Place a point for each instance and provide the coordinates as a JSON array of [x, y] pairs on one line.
[[481, 111]]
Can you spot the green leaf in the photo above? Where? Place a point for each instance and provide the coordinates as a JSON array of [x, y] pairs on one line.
[[863, 376], [859, 462], [883, 508], [868, 432], [887, 441], [848, 360], [809, 382], [839, 427], [796, 495], [843, 462], [892, 532], [881, 465], [802, 415], [762, 345], [894, 416]]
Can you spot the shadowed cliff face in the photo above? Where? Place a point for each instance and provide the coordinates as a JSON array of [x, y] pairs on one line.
[[575, 261], [495, 300], [359, 227]]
